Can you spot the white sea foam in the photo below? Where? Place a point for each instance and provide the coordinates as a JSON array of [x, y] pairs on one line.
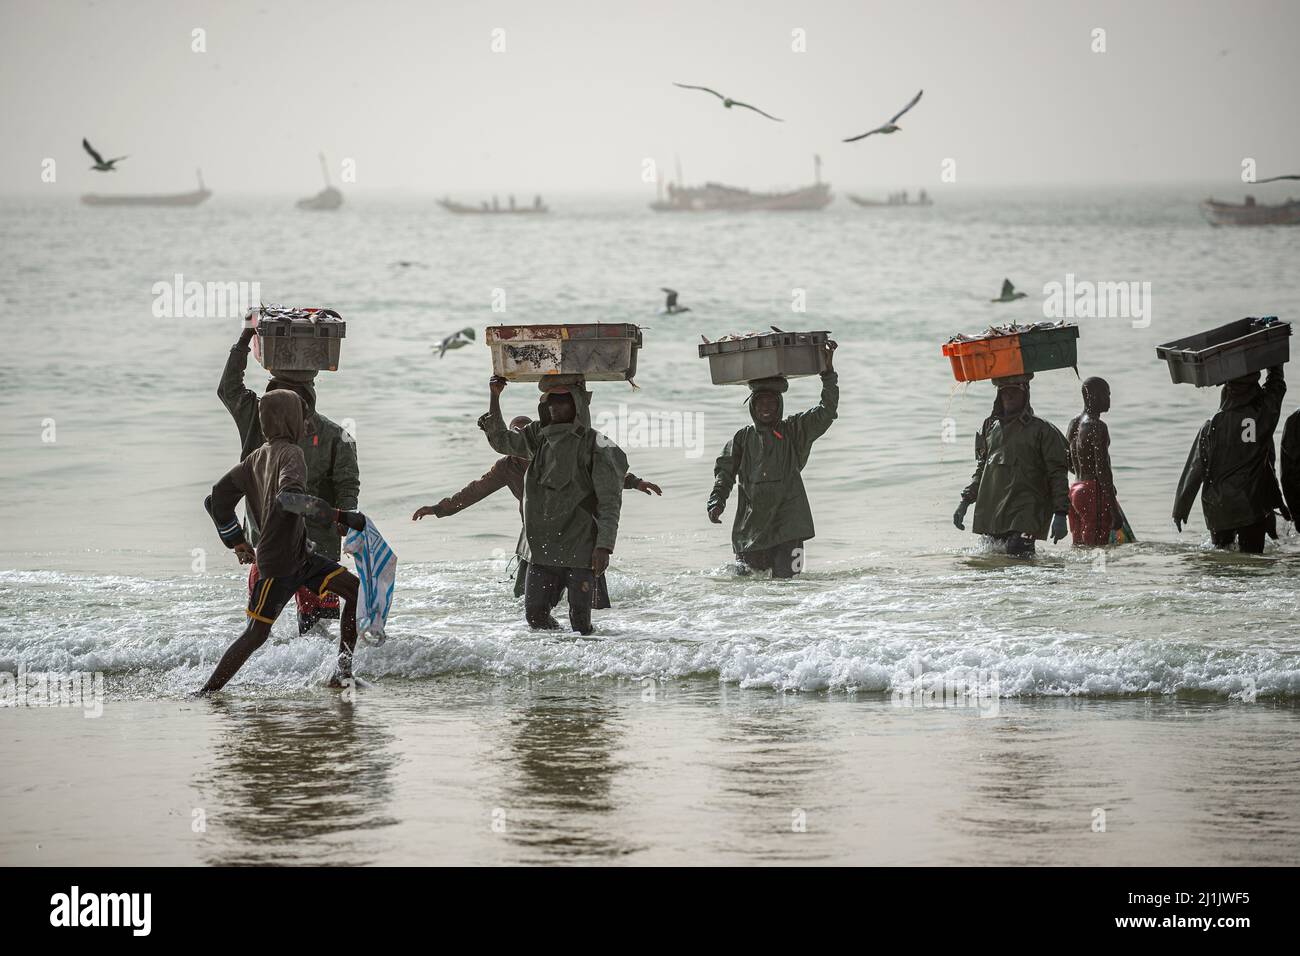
[[842, 632]]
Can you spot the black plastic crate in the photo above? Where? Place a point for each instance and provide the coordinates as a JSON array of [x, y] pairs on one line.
[[1230, 351], [1042, 350]]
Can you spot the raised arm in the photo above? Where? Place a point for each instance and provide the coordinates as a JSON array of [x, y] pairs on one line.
[[239, 400], [520, 444], [810, 425], [1274, 392]]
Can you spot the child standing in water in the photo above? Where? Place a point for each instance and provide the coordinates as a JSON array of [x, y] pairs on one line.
[[1094, 509], [284, 562]]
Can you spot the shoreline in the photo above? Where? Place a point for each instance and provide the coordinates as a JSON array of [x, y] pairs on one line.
[[478, 770]]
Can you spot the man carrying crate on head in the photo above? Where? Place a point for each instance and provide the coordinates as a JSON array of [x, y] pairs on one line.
[[573, 497], [1231, 465], [773, 517], [1020, 488], [330, 453]]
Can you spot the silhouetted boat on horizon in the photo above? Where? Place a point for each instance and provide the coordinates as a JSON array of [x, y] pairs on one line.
[[719, 197], [157, 199], [1251, 213], [483, 209], [328, 198], [894, 201]]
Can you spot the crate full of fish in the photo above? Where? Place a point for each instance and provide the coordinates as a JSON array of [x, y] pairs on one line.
[[737, 359], [598, 352], [1001, 351], [299, 340]]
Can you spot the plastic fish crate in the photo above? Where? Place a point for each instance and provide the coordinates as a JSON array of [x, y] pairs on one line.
[[598, 352], [298, 340], [1230, 351], [788, 354], [1015, 353], [1045, 349]]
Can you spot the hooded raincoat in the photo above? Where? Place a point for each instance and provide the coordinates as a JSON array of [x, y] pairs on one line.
[[1231, 461], [330, 453], [765, 461], [273, 467], [1291, 465], [1020, 477], [573, 488]]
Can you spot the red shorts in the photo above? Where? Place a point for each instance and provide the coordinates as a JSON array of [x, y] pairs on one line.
[[1091, 516]]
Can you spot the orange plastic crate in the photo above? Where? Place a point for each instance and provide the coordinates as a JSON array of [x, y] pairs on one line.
[[980, 359]]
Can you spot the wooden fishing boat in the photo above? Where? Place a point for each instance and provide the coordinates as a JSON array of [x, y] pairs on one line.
[[484, 209], [1251, 213], [713, 197], [159, 199], [891, 202]]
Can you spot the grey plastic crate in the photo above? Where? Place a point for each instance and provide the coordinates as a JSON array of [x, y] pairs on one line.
[[789, 354], [299, 339], [597, 352], [1230, 351]]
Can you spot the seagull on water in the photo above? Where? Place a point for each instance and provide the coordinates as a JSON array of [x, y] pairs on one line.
[[1009, 293], [101, 164], [891, 126], [670, 304], [727, 101]]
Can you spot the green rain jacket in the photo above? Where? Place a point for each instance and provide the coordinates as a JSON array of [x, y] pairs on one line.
[[1021, 476], [573, 488], [1234, 475], [765, 462], [1291, 465], [331, 455]]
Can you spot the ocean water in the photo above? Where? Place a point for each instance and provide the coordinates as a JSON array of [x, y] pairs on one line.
[[112, 434]]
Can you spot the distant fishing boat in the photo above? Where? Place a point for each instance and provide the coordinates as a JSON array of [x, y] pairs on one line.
[[713, 197], [896, 199], [495, 209], [328, 198], [1251, 213], [158, 199]]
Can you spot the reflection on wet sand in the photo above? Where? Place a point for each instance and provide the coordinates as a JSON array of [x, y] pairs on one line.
[[1018, 791], [771, 753], [296, 782], [559, 786]]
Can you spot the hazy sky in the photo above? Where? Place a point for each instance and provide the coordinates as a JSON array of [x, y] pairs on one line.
[[582, 94]]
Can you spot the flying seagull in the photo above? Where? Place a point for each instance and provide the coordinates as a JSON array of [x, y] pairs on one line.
[[457, 341], [727, 101], [1009, 293], [1273, 179], [670, 305], [101, 164], [889, 127]]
